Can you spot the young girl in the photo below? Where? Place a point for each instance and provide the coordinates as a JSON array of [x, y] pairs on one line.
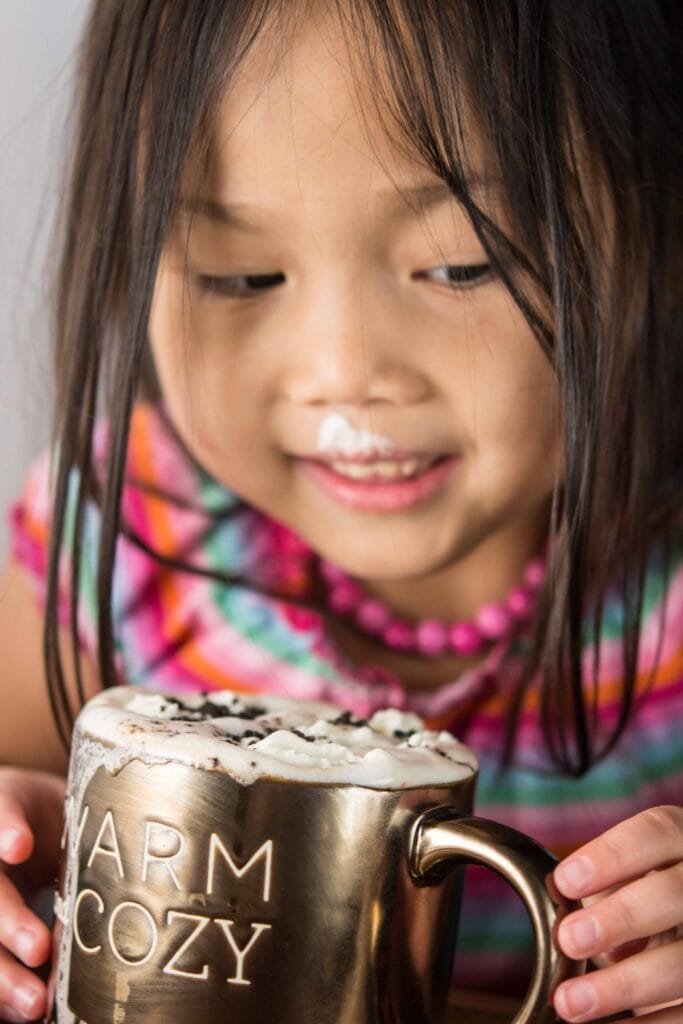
[[368, 373]]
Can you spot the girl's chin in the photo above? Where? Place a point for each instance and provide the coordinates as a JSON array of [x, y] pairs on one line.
[[398, 561]]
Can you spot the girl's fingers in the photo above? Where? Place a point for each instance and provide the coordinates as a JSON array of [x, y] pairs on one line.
[[20, 990], [646, 979], [669, 1015], [16, 838], [640, 909], [650, 840], [21, 931], [10, 1014], [31, 804], [27, 800]]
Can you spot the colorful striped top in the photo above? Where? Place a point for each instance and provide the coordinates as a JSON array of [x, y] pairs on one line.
[[181, 631]]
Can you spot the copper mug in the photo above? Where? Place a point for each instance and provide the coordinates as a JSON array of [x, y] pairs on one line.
[[189, 897]]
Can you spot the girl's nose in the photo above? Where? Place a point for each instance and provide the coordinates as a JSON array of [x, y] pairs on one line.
[[346, 355]]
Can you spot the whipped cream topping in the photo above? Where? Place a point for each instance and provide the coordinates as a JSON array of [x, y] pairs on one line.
[[275, 737]]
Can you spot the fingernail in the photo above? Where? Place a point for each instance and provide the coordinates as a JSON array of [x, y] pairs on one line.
[[24, 943], [27, 999], [575, 874], [582, 934], [575, 999], [9, 837]]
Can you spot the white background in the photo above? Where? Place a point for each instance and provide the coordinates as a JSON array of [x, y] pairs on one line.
[[38, 41]]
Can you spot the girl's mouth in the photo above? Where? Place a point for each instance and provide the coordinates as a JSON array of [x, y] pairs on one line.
[[382, 485]]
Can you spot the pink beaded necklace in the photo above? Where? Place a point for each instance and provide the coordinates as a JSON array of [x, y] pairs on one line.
[[432, 637]]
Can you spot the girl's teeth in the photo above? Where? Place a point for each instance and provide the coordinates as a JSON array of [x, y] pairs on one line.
[[383, 470]]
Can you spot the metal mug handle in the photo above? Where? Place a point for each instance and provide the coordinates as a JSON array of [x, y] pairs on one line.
[[443, 836]]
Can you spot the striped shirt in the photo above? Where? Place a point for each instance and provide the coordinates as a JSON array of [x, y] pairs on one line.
[[181, 631]]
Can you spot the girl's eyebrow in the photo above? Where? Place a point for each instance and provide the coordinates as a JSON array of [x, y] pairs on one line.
[[230, 215], [420, 198], [417, 198]]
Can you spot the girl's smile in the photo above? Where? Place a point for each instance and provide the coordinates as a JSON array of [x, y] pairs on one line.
[[381, 486], [370, 472]]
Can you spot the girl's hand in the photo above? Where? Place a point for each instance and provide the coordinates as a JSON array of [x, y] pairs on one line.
[[630, 880], [30, 806]]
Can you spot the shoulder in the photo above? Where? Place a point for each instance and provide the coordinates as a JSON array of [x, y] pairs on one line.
[[660, 657], [164, 496], [653, 736], [660, 614], [157, 469], [661, 633]]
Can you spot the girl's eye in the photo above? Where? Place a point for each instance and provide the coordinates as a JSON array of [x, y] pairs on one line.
[[457, 276], [241, 286]]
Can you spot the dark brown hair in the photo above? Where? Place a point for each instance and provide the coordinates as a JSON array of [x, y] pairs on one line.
[[579, 105]]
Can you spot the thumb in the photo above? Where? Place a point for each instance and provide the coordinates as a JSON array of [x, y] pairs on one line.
[[31, 804]]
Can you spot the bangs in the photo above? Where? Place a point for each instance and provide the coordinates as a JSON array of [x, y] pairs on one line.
[[432, 67]]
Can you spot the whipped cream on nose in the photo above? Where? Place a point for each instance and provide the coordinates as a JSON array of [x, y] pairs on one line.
[[337, 436]]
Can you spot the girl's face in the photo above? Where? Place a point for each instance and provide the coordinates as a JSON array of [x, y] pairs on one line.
[[317, 274]]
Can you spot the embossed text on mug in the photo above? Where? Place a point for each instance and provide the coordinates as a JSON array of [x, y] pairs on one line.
[[163, 849]]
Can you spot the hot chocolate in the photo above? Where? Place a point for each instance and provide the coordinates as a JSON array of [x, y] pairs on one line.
[[273, 737]]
